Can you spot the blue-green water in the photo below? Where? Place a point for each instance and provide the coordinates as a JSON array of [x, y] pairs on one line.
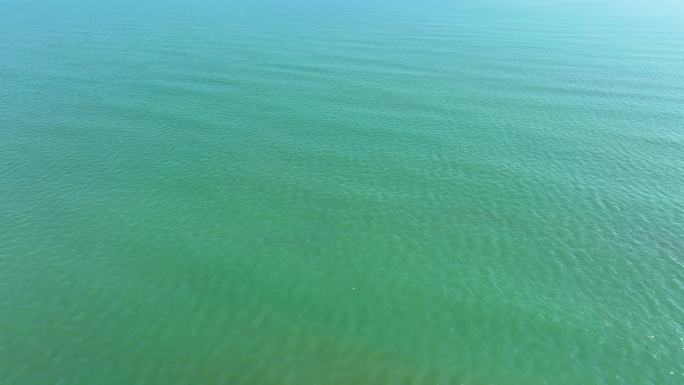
[[341, 192]]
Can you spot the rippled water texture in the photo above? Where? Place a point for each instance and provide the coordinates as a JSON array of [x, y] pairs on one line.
[[341, 192]]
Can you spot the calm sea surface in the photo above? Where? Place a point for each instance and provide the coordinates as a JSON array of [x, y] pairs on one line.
[[341, 192]]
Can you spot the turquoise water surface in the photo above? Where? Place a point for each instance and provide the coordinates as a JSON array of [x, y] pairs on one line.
[[341, 192]]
